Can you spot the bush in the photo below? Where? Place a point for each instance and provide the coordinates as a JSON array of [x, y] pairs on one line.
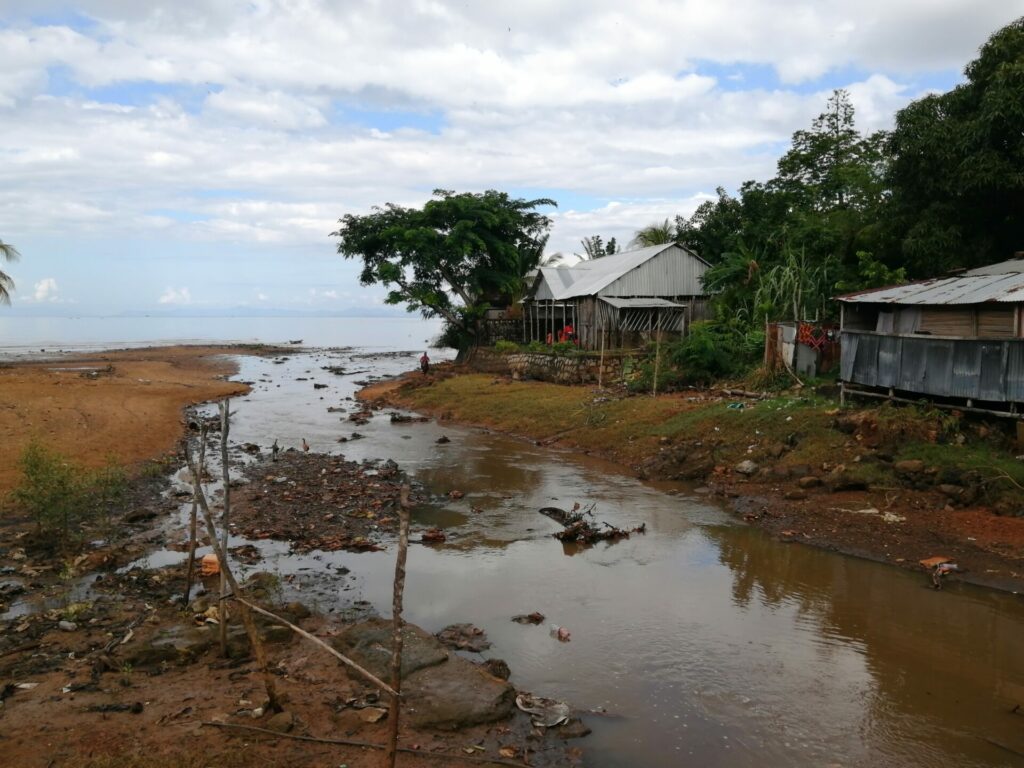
[[506, 347], [62, 498], [711, 352]]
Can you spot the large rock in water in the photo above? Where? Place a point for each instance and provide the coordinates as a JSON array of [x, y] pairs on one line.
[[439, 690], [456, 694], [368, 644]]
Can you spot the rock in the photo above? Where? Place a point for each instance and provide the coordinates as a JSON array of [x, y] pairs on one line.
[[909, 466], [498, 668], [369, 643], [953, 491], [841, 479], [573, 728], [796, 495], [746, 467], [372, 714], [442, 440], [294, 611], [282, 722], [464, 637], [456, 694], [809, 481], [67, 626]]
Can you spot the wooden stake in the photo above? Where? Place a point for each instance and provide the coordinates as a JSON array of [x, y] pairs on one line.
[[222, 612], [273, 703], [396, 642], [657, 354], [192, 532], [600, 370]]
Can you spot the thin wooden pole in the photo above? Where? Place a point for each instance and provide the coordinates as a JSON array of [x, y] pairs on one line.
[[600, 370], [273, 702], [657, 352], [396, 639], [193, 535], [372, 678], [225, 521]]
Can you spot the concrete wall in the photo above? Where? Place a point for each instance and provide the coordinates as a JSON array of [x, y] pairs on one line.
[[559, 369]]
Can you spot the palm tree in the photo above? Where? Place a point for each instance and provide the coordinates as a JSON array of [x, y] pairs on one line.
[[7, 253], [661, 233], [594, 247]]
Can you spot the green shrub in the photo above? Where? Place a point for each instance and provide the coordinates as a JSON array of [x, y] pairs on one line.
[[62, 498], [505, 347]]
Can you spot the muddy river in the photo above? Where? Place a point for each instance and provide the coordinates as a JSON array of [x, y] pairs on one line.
[[703, 642]]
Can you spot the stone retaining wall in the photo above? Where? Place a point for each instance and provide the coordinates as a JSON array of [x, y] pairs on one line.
[[559, 369]]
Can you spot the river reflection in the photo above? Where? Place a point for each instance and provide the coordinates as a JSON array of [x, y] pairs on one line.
[[706, 642]]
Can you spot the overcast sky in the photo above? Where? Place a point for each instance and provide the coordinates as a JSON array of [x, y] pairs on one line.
[[198, 154]]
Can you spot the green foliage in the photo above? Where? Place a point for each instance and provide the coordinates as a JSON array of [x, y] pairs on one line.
[[708, 353], [594, 247], [506, 347], [62, 498], [957, 169], [450, 259], [659, 233]]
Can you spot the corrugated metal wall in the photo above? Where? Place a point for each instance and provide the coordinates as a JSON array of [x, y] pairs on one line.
[[673, 272], [978, 369]]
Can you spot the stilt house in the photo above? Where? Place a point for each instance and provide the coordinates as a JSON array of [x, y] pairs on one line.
[[618, 300], [955, 339]]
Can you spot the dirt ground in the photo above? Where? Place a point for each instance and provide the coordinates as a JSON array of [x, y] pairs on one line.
[[125, 405], [898, 519]]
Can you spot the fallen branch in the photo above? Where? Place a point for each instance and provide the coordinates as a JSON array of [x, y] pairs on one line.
[[298, 630], [365, 744]]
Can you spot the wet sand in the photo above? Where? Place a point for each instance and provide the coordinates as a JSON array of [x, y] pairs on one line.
[[124, 406]]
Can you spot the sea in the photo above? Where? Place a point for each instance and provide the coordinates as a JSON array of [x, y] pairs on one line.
[[28, 336]]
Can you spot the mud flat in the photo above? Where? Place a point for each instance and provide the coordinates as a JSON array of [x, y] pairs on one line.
[[124, 406]]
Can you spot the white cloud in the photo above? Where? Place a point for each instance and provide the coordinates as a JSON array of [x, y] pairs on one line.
[[274, 119], [175, 296], [45, 290]]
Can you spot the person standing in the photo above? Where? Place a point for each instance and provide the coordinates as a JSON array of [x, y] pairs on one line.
[[425, 364]]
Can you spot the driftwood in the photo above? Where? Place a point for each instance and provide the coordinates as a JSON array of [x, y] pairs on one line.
[[365, 744], [580, 530]]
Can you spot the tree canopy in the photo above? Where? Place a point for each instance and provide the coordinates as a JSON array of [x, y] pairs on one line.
[[451, 258]]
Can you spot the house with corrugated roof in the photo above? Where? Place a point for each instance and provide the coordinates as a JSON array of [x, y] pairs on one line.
[[958, 339], [619, 300]]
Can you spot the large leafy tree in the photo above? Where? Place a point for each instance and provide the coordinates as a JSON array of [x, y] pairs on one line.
[[451, 258], [7, 253], [957, 170]]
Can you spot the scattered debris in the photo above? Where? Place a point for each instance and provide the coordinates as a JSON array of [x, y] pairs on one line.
[[529, 618], [578, 529], [544, 713], [456, 495], [209, 565], [464, 637], [433, 536], [561, 633]]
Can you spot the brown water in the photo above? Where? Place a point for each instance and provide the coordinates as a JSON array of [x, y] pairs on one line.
[[706, 642]]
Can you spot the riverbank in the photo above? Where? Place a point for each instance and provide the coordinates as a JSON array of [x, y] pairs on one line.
[[888, 483]]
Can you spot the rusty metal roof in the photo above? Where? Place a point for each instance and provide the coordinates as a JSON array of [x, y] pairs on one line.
[[1002, 282]]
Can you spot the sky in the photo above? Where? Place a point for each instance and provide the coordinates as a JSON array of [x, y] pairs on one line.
[[190, 156]]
